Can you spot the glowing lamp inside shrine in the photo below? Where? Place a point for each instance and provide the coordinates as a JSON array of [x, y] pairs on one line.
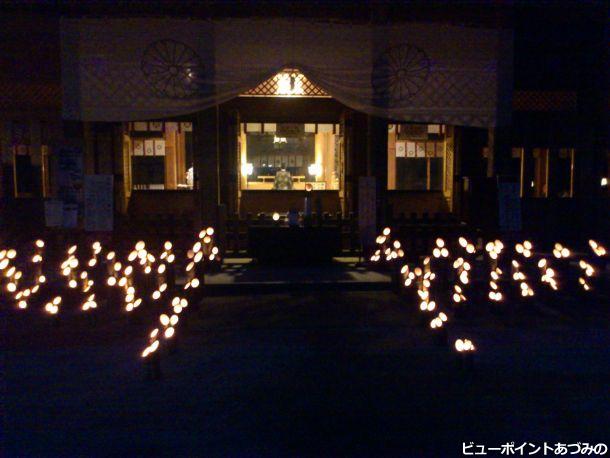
[[315, 169], [247, 169]]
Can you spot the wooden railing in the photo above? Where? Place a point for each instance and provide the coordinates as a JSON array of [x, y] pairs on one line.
[[237, 230], [417, 232]]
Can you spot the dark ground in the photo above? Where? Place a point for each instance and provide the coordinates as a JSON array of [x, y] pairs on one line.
[[317, 374]]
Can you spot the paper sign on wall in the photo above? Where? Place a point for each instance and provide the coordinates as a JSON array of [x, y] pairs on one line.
[[138, 148], [401, 149], [70, 184], [410, 149], [149, 147], [159, 147], [140, 126], [155, 126]]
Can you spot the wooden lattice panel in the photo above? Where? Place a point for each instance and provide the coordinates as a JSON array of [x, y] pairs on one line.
[[287, 83]]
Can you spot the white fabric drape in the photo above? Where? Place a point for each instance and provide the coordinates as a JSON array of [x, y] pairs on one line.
[[135, 69]]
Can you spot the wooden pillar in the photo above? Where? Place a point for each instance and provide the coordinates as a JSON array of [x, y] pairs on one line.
[[490, 152], [355, 156], [6, 159], [206, 165], [229, 160], [122, 169], [377, 162], [452, 153]]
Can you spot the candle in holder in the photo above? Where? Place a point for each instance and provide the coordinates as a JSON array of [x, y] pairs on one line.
[[597, 248], [52, 307], [151, 357], [96, 250]]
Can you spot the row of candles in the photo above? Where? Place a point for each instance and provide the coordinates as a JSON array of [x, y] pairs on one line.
[[202, 251], [141, 271], [122, 276], [423, 276]]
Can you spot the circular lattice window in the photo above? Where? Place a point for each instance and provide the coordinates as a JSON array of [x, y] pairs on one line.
[[400, 72], [172, 68]]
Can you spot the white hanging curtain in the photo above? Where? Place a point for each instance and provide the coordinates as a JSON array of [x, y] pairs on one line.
[[135, 69]]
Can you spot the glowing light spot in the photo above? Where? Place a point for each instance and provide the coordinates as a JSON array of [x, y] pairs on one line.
[[164, 319]]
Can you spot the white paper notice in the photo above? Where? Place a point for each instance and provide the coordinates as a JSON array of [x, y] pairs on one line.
[[410, 149], [401, 149], [149, 147], [138, 147], [159, 147]]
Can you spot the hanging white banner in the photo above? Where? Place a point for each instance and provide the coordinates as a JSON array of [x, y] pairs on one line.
[[136, 69]]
